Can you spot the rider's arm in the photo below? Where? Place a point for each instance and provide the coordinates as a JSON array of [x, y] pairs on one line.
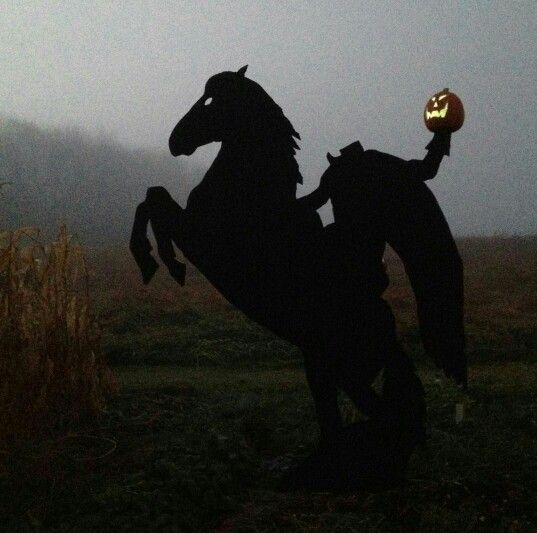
[[318, 197], [427, 168], [424, 169]]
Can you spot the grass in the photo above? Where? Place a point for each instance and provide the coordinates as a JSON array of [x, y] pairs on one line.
[[186, 449], [212, 409], [166, 323]]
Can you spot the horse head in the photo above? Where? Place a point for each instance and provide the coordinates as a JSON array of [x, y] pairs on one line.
[[234, 108], [213, 117]]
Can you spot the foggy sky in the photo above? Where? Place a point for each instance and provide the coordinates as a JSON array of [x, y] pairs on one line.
[[341, 71]]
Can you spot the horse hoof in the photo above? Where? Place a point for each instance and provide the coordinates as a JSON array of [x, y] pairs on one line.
[[148, 267], [364, 457], [330, 477], [177, 271]]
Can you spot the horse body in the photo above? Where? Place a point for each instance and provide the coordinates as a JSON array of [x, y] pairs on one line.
[[243, 230], [265, 255]]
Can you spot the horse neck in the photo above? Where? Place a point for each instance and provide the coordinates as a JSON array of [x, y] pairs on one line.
[[256, 165]]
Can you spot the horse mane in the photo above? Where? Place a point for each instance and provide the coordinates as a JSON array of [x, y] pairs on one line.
[[269, 127], [263, 125]]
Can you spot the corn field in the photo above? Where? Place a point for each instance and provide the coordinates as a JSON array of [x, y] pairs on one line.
[[52, 369]]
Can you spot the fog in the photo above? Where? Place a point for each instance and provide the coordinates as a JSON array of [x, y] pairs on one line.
[[341, 71]]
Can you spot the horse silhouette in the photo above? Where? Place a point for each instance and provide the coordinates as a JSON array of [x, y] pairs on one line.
[[270, 256]]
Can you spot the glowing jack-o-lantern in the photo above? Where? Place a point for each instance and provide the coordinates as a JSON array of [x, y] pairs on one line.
[[444, 112]]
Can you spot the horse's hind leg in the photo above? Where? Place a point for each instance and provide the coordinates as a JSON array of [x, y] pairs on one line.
[[316, 472], [362, 395], [371, 454], [322, 383], [376, 452], [403, 397], [401, 406]]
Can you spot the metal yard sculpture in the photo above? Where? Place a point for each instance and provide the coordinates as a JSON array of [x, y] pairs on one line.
[[269, 255]]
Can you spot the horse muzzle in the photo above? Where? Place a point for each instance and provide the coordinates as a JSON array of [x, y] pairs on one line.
[[180, 148]]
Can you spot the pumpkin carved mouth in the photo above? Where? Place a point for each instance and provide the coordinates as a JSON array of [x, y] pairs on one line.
[[437, 113]]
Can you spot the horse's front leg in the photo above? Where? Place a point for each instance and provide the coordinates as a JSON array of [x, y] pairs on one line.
[[140, 246], [166, 218], [318, 470]]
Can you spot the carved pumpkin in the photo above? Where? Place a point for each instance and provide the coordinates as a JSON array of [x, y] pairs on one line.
[[444, 112]]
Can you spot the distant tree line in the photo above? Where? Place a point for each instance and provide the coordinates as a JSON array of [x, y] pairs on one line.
[[89, 183]]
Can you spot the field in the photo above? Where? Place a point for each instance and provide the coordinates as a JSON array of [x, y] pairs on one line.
[[212, 409]]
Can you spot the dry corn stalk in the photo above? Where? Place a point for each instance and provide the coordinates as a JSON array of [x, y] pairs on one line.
[[52, 370]]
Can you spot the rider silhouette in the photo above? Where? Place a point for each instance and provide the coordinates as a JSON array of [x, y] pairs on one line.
[[378, 198], [356, 182]]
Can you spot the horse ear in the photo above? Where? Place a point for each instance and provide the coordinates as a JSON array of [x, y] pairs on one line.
[[242, 71], [330, 157]]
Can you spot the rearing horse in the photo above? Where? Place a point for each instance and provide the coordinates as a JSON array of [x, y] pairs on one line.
[[243, 229]]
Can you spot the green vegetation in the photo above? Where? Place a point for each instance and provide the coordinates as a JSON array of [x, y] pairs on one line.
[[184, 449], [212, 409]]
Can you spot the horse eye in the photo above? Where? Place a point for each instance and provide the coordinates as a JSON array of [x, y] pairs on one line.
[[209, 101]]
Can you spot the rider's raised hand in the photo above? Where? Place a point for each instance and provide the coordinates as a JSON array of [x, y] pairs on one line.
[[440, 143]]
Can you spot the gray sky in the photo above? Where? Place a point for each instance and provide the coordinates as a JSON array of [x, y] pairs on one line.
[[340, 70]]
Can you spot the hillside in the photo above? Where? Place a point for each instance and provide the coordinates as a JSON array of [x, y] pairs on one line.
[[166, 323], [92, 184]]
